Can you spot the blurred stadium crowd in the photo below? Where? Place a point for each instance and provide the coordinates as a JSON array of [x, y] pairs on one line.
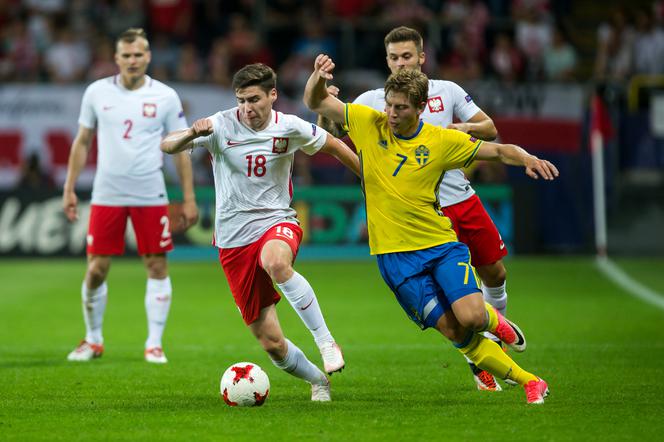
[[66, 41], [205, 41]]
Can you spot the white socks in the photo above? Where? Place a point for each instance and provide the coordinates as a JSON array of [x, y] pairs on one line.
[[94, 305], [297, 364], [301, 296], [496, 296], [157, 304]]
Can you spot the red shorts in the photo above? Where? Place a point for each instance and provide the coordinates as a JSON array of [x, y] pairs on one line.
[[106, 230], [475, 228], [250, 284]]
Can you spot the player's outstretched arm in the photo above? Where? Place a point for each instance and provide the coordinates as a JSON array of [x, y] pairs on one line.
[[180, 140], [514, 155], [316, 96], [335, 129], [77, 158], [338, 149], [479, 125]]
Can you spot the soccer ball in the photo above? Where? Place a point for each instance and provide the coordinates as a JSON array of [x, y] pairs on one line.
[[244, 384]]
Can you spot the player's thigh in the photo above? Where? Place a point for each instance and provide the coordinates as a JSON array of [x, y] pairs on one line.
[[476, 229], [152, 228], [280, 242], [106, 230], [250, 285], [418, 295], [454, 273]]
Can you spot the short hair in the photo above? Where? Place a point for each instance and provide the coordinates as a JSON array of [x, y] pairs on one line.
[[413, 83], [257, 74], [131, 35], [403, 34]]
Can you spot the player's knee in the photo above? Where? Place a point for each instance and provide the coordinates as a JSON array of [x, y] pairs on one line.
[[156, 266], [279, 268], [474, 319], [96, 274]]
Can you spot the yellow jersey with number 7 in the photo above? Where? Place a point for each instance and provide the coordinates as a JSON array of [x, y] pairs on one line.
[[401, 177]]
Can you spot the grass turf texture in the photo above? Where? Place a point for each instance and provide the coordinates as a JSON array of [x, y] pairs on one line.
[[601, 351]]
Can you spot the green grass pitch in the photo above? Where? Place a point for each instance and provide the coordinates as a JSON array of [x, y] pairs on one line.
[[601, 351]]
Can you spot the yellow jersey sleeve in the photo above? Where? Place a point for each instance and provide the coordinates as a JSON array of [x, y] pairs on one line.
[[361, 122], [459, 149]]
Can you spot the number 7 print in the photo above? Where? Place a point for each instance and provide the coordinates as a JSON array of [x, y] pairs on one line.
[[403, 160]]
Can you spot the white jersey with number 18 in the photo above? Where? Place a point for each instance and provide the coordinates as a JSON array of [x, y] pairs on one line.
[[446, 100], [130, 125], [252, 172]]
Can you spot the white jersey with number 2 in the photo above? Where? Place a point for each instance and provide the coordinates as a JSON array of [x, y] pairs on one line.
[[252, 172], [446, 100], [130, 125]]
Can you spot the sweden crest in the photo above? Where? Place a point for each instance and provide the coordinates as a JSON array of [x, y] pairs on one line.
[[422, 154]]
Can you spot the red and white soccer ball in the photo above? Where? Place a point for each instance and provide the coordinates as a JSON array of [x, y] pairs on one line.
[[244, 384]]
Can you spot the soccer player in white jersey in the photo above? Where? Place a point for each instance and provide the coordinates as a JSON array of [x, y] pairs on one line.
[[257, 232], [131, 112], [474, 227]]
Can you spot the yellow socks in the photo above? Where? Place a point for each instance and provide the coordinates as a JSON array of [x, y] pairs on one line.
[[488, 356]]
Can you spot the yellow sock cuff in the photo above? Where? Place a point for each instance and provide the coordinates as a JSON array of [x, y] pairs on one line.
[[492, 323]]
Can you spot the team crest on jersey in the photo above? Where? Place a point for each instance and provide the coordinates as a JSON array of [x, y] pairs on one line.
[[435, 104], [383, 144], [279, 144], [469, 98], [149, 110], [422, 154]]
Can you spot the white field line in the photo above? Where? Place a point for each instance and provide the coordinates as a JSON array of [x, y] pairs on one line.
[[619, 277]]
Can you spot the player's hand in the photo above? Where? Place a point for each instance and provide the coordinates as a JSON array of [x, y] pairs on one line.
[[333, 90], [189, 214], [202, 127], [536, 168], [324, 66], [463, 127], [69, 205]]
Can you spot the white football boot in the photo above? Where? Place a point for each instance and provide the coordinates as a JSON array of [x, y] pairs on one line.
[[321, 393], [86, 351], [333, 358], [155, 355]]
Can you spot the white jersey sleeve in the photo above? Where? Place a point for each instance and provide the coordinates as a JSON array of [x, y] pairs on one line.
[[211, 142], [307, 137], [87, 116], [374, 99], [464, 106]]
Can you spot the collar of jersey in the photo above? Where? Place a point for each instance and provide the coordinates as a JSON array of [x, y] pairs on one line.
[[118, 83], [417, 132]]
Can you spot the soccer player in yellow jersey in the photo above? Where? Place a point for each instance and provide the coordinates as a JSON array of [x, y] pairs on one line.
[[402, 162]]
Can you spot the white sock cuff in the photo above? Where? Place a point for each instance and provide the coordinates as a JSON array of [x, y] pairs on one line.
[[293, 284], [496, 292], [287, 361], [160, 286]]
